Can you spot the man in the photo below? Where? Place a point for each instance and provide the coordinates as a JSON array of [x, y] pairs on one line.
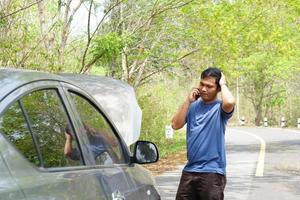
[[98, 144], [204, 176]]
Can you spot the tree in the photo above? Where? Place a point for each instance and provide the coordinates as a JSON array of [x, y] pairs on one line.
[[257, 41], [35, 33], [147, 41], [97, 51]]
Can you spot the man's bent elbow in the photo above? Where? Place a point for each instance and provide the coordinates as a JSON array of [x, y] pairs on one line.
[[230, 102], [229, 106]]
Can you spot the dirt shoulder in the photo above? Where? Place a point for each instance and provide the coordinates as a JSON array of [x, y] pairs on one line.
[[167, 163]]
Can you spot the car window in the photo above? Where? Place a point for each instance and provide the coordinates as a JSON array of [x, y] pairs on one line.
[[14, 126], [43, 138], [101, 140]]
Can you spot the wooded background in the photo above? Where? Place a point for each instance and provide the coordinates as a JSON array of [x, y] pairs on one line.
[[160, 48]]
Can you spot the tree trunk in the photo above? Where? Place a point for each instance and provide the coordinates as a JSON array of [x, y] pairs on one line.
[[64, 32], [124, 52], [42, 20], [124, 66], [85, 69], [140, 74], [68, 18], [258, 115]]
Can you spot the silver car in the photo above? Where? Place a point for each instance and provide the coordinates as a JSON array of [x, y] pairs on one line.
[[65, 137]]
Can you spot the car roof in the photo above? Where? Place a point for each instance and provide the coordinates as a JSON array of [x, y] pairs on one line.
[[11, 78], [116, 97]]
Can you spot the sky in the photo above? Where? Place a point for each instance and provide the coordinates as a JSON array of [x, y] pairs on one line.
[[79, 24]]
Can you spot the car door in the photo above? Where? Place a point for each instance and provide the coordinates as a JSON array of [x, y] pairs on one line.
[[113, 169], [9, 190], [33, 122]]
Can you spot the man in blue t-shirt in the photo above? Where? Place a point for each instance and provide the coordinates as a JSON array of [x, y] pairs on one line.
[[204, 176]]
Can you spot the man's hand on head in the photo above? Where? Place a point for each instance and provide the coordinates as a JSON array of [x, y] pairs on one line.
[[222, 80]]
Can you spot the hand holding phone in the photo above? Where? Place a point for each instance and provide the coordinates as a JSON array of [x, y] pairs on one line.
[[196, 94]]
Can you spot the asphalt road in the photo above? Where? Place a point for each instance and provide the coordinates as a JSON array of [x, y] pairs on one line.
[[262, 163]]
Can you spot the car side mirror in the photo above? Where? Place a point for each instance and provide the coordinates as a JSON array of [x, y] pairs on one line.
[[145, 152]]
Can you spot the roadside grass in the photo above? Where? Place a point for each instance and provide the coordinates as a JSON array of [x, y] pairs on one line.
[[174, 145], [168, 146]]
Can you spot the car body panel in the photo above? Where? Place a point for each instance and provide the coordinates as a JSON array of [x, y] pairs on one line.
[[9, 189], [23, 180], [38, 184]]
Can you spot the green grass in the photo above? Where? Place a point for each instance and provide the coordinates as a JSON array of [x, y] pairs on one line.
[[170, 146]]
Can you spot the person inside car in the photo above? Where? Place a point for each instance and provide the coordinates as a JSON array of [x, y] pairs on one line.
[[98, 144]]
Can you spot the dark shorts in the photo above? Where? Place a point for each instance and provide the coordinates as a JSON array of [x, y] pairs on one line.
[[201, 186]]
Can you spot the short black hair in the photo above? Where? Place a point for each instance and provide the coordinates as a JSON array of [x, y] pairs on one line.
[[212, 72]]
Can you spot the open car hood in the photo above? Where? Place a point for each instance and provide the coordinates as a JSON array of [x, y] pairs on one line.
[[118, 100]]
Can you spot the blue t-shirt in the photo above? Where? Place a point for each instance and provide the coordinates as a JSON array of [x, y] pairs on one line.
[[206, 137]]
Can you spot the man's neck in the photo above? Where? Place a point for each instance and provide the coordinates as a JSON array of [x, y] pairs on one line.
[[210, 102]]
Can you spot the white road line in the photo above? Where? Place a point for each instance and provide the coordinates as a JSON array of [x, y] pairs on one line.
[[261, 158]]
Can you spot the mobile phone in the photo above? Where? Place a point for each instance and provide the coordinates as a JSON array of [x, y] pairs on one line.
[[197, 95]]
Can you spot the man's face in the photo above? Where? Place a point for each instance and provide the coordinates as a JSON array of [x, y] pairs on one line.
[[208, 89]]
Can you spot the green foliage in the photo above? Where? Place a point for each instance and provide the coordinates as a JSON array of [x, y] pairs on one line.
[[107, 47], [3, 21], [159, 102], [256, 41]]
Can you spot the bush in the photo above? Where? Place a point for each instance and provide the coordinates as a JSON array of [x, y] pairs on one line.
[[159, 102]]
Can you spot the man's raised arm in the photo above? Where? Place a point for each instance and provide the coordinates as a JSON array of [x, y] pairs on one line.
[[227, 98], [178, 120]]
